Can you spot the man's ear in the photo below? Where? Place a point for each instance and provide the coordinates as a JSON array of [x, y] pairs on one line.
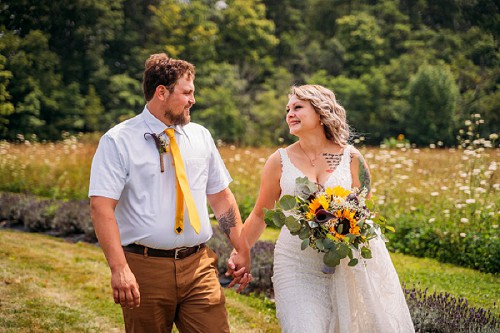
[[162, 92]]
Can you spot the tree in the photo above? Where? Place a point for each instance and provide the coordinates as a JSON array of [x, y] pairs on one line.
[[221, 102], [34, 86], [267, 126], [432, 97], [6, 107], [125, 99], [360, 36], [188, 29], [246, 38]]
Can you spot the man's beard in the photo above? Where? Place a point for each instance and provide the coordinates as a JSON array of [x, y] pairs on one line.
[[177, 119]]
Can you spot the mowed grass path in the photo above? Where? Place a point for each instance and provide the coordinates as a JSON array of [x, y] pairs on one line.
[[50, 285]]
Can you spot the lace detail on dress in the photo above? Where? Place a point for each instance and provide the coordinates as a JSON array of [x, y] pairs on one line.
[[364, 298]]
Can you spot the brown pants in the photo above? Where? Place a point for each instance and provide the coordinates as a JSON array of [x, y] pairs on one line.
[[186, 292]]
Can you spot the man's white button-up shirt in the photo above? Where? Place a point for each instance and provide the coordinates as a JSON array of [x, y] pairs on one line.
[[126, 167]]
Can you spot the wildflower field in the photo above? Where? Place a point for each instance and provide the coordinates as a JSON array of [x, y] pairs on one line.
[[444, 204]]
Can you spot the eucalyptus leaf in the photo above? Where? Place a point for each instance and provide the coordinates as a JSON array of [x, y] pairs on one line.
[[331, 259], [320, 245], [305, 244], [343, 250], [304, 232], [328, 243], [268, 216], [353, 262], [304, 187], [279, 219], [287, 202], [366, 253], [292, 224]]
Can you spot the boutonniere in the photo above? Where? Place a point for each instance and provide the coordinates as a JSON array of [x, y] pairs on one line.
[[161, 145]]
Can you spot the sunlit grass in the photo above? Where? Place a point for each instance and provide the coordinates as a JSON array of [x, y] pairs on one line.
[[55, 286]]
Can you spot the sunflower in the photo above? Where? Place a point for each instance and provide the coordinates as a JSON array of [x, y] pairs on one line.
[[338, 191], [345, 218], [317, 203]]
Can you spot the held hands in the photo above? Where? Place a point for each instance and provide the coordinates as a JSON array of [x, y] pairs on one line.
[[238, 266], [125, 288]]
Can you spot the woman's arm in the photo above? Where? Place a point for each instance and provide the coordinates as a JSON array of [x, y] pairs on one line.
[[269, 193], [360, 172], [254, 225]]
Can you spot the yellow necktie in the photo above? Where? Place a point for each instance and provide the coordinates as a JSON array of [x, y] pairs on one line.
[[183, 191]]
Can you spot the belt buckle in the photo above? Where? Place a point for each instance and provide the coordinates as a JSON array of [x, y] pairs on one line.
[[177, 250]]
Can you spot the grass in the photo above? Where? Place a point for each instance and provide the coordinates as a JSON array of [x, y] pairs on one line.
[[453, 190], [50, 285]]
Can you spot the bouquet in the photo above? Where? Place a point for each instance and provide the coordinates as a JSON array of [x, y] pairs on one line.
[[336, 221]]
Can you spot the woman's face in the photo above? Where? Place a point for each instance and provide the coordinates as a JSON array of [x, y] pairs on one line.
[[301, 116]]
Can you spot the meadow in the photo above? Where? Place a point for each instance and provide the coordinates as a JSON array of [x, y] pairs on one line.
[[443, 202]]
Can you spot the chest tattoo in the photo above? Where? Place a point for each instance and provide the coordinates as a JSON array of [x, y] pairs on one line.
[[332, 160]]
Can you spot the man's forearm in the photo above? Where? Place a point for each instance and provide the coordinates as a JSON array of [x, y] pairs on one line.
[[108, 235], [228, 216]]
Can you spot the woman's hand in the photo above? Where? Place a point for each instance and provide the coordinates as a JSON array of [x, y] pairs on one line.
[[238, 266]]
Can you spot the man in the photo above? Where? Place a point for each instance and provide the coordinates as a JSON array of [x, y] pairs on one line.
[[150, 181]]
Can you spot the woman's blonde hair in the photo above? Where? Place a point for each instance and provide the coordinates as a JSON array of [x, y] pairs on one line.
[[331, 113]]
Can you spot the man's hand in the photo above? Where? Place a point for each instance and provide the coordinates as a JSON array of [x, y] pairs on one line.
[[239, 268], [125, 288]]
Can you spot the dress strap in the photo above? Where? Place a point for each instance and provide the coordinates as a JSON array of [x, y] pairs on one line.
[[346, 154], [285, 160]]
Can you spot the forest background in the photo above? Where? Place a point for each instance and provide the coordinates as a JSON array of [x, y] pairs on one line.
[[413, 67]]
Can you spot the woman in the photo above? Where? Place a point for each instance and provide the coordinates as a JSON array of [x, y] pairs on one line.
[[365, 298]]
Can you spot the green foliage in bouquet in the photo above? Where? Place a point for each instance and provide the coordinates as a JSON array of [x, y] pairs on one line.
[[336, 221]]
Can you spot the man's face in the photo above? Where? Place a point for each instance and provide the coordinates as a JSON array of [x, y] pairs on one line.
[[177, 104]]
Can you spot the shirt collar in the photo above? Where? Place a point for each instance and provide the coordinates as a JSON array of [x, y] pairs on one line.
[[156, 125]]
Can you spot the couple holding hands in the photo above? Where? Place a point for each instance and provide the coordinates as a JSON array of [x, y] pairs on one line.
[[151, 179]]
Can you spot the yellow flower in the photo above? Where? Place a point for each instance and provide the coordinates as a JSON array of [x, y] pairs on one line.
[[339, 236], [354, 230], [401, 137], [338, 191], [318, 202], [346, 214]]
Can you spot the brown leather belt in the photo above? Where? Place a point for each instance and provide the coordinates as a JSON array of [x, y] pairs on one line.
[[178, 253]]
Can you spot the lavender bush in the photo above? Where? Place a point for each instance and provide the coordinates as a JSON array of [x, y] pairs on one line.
[[73, 218], [37, 214], [442, 313], [11, 207]]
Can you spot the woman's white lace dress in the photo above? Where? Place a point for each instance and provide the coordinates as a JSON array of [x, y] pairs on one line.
[[365, 298]]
